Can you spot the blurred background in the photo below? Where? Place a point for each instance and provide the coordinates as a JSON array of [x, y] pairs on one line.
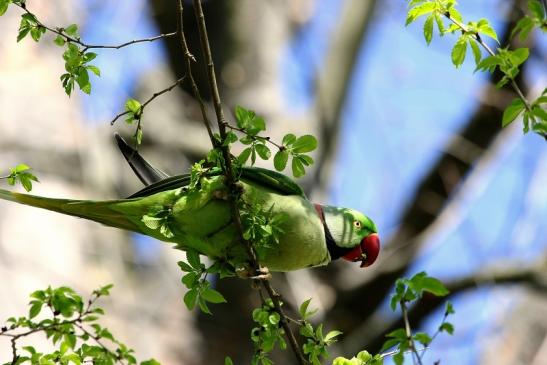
[[404, 137]]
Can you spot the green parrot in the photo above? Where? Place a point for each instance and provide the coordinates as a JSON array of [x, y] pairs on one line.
[[168, 209]]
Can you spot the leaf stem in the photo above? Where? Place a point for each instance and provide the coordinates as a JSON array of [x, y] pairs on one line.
[[268, 139]]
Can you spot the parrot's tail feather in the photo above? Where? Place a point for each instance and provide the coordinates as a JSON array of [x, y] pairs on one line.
[[101, 212]]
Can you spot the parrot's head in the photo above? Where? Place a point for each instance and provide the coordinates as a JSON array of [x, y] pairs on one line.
[[353, 235]]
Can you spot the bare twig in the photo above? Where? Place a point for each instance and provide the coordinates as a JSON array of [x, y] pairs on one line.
[[408, 331], [230, 179], [60, 32], [155, 95], [188, 59]]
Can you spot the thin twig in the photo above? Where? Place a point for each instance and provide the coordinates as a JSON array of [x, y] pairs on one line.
[[59, 31], [268, 139], [155, 95], [188, 59], [231, 181], [409, 332]]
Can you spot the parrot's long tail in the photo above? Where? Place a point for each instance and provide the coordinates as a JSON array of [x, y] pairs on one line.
[[104, 212]]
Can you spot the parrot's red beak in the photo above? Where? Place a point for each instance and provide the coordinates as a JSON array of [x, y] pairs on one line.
[[367, 252]]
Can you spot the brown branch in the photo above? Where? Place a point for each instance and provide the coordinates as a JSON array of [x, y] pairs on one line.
[[59, 31], [155, 95], [230, 179]]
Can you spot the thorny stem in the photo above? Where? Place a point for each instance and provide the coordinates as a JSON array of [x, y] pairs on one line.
[[155, 95], [86, 46], [228, 170], [408, 331]]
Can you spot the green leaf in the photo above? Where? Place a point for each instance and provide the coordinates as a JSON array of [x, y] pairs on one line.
[[422, 338], [418, 11], [518, 56], [59, 40], [540, 113], [203, 306], [193, 259], [185, 267], [288, 139], [476, 50], [280, 159], [244, 156], [4, 6], [449, 309], [303, 309], [434, 286], [485, 28], [94, 69], [536, 9], [22, 33], [132, 105], [213, 296], [398, 358], [512, 112], [263, 151], [228, 361], [83, 80], [458, 52], [35, 309], [306, 143], [190, 298], [440, 24], [390, 343], [72, 30], [297, 168], [447, 327], [428, 28], [329, 337]]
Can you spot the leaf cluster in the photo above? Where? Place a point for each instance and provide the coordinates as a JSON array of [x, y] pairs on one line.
[[316, 343], [134, 111], [262, 227], [362, 358], [407, 291], [71, 326], [22, 174], [507, 61], [159, 218], [536, 19], [199, 289], [76, 64], [291, 147], [267, 333]]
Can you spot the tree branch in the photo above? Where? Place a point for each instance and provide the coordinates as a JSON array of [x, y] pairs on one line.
[[59, 31], [155, 95], [230, 178]]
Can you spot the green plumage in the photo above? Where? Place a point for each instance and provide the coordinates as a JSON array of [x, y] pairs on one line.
[[201, 219]]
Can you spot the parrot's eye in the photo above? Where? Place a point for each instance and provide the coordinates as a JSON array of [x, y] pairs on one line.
[[357, 224]]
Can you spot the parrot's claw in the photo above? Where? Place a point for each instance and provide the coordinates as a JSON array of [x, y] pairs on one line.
[[247, 273]]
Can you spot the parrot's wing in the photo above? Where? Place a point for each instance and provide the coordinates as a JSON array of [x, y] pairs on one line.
[[273, 180], [268, 179], [145, 172], [158, 181]]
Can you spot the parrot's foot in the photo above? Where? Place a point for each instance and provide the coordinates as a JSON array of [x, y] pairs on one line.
[[247, 273]]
